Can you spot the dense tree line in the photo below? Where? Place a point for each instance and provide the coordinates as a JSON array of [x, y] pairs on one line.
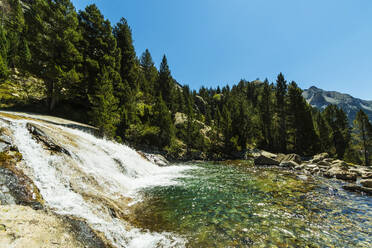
[[91, 66]]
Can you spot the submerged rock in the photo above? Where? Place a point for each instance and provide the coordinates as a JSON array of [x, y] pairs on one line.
[[357, 188], [86, 235]]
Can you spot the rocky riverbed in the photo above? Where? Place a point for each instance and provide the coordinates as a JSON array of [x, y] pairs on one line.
[[61, 187], [359, 177]]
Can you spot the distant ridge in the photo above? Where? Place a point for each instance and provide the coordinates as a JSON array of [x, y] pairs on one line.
[[321, 99]]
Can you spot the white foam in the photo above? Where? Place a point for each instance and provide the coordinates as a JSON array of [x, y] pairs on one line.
[[118, 170]]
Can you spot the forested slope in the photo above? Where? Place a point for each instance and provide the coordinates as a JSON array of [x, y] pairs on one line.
[[88, 70]]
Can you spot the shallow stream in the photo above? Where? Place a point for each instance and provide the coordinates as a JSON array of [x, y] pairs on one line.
[[234, 204]]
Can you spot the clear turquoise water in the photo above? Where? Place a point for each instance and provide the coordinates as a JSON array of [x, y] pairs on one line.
[[236, 205]]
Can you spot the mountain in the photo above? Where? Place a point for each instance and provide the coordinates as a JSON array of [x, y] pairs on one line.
[[321, 99]]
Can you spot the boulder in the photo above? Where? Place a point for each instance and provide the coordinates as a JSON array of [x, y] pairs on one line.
[[341, 173], [299, 167], [157, 159], [255, 153], [360, 171], [366, 183], [288, 164], [289, 157], [320, 157], [367, 175], [263, 160], [328, 160], [312, 168], [339, 162], [324, 163]]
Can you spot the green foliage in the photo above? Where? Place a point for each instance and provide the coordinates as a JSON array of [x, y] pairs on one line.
[[363, 134], [16, 28], [340, 130], [86, 63], [150, 73], [280, 105], [3, 55], [104, 108], [301, 135], [53, 36], [165, 82], [266, 115], [129, 67], [163, 120]]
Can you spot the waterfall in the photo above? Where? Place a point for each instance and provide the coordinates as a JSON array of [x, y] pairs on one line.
[[97, 177]]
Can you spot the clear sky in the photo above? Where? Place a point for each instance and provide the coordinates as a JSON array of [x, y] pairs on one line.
[[326, 43]]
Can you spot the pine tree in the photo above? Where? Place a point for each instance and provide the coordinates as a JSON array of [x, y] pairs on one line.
[[99, 51], [163, 119], [245, 126], [15, 27], [323, 131], [3, 55], [53, 37], [129, 70], [165, 82], [301, 133], [150, 73], [363, 130], [226, 128], [266, 115], [104, 110], [281, 130], [340, 130], [192, 137]]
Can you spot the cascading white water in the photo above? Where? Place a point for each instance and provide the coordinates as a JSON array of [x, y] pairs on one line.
[[98, 172]]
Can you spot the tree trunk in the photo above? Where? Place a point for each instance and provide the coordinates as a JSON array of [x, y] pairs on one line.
[[52, 98]]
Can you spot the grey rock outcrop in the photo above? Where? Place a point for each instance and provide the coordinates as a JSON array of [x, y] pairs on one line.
[[289, 157], [321, 99]]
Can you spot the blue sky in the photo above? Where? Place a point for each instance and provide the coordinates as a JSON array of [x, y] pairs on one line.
[[326, 43]]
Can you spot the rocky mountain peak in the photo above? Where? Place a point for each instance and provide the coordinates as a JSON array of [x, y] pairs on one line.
[[321, 99]]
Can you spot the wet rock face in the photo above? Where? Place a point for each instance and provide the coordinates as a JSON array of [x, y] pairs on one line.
[[15, 186], [39, 135], [85, 234], [157, 159]]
